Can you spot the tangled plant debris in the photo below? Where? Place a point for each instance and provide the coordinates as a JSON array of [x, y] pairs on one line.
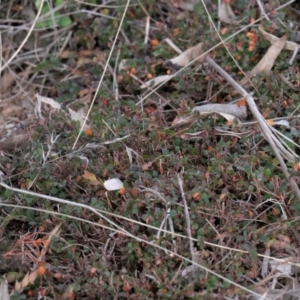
[[149, 150]]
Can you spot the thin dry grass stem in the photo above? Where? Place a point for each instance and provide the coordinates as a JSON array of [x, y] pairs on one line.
[[294, 56], [278, 133], [115, 82], [95, 13], [125, 36], [68, 203], [265, 128], [144, 10], [122, 231], [51, 12], [187, 217], [206, 52], [64, 45], [285, 217], [219, 12], [166, 218], [75, 245], [160, 97], [265, 263], [262, 11], [109, 128], [1, 57], [10, 4], [213, 227], [103, 74], [275, 119], [162, 226], [256, 218], [225, 46], [177, 273], [139, 223], [147, 29], [105, 248], [2, 68], [171, 225], [172, 45], [97, 6]]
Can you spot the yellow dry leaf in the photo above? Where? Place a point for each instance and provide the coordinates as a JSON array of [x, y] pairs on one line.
[[91, 178], [147, 165], [223, 196], [270, 122], [47, 242], [29, 278]]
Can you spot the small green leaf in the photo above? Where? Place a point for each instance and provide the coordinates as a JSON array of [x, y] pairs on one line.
[[64, 21], [58, 2], [42, 24], [268, 172]]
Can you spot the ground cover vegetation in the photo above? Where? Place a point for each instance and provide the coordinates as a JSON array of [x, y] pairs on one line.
[[149, 149]]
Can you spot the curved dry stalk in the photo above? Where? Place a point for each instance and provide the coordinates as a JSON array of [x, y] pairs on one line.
[[187, 218], [264, 127], [280, 260], [169, 252], [25, 39], [103, 74], [208, 51]]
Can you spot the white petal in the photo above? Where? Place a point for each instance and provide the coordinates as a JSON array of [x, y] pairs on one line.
[[113, 184]]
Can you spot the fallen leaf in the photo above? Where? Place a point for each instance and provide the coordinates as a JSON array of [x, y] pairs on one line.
[[273, 39], [283, 123], [187, 4], [196, 135], [196, 196], [146, 166], [226, 13], [78, 116], [266, 63], [284, 268], [187, 56], [124, 64], [54, 104], [47, 242], [69, 294], [28, 279], [91, 178], [155, 81], [7, 79], [228, 111]]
